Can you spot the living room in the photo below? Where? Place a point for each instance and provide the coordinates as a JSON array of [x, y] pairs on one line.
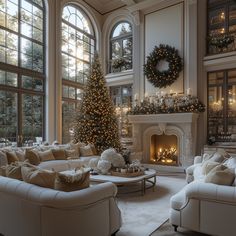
[[161, 77]]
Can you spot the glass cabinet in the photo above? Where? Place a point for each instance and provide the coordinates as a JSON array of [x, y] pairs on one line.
[[222, 106], [221, 26]]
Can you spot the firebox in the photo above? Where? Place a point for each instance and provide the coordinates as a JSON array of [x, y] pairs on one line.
[[164, 150]]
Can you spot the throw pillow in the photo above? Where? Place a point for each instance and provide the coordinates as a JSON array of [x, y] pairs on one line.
[[220, 175], [11, 157], [46, 155], [206, 157], [94, 150], [71, 154], [72, 182], [20, 155], [76, 147], [59, 154], [208, 166], [217, 157], [3, 171], [86, 151], [32, 156], [37, 176], [231, 162], [3, 159], [14, 169]]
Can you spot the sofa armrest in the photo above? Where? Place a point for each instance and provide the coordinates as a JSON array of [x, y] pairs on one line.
[[197, 159], [212, 192], [54, 198]]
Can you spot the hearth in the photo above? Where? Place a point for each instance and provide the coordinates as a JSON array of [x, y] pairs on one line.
[[163, 150]]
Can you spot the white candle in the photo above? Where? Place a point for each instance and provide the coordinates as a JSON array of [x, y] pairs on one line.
[[146, 95], [136, 96], [188, 91]]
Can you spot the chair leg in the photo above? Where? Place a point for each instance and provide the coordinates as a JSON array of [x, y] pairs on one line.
[[175, 227], [114, 234]]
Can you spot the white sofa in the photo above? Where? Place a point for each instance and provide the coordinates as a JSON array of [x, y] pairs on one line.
[[30, 210], [204, 207]]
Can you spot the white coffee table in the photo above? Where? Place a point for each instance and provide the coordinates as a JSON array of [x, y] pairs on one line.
[[149, 176]]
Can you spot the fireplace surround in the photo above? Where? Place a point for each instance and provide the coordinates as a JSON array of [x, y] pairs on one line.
[[181, 125]]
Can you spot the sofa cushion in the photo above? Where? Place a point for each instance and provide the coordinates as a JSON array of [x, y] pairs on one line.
[[11, 157], [3, 159], [37, 176], [72, 180], [3, 171], [46, 155], [20, 154], [32, 156], [86, 151], [94, 150], [220, 175], [59, 154], [71, 154], [208, 166], [76, 147], [231, 162]]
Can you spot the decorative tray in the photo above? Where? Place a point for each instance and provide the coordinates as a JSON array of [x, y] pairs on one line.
[[127, 174]]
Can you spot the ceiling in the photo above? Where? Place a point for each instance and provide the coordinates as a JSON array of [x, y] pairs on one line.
[[106, 6]]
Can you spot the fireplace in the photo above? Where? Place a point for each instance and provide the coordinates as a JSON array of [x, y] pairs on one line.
[[163, 150], [174, 133]]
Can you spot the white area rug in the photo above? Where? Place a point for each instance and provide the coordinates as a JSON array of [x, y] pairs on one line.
[[142, 215]]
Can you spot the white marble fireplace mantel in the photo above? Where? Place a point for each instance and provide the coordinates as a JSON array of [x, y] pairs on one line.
[[183, 125]]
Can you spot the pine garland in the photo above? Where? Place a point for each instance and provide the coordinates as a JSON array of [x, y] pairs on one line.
[[162, 79], [168, 104], [96, 121]]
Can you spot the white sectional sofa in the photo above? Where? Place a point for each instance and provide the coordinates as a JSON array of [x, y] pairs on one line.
[[205, 207], [30, 210]]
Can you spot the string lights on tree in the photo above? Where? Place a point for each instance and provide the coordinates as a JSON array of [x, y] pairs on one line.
[[96, 121]]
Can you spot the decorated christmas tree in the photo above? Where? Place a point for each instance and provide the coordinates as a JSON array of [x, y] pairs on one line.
[[96, 121]]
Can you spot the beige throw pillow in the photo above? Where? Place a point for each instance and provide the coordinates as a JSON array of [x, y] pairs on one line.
[[86, 151], [59, 154], [220, 175], [46, 156], [71, 154], [94, 150], [32, 156], [37, 176], [3, 159], [208, 166], [76, 147], [12, 157], [72, 182]]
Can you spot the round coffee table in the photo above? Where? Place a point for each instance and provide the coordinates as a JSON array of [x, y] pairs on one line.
[[148, 177]]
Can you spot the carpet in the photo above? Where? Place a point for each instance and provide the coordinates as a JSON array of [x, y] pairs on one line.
[[141, 215], [167, 229]]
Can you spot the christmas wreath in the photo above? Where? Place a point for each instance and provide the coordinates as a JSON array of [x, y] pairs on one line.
[[158, 78]]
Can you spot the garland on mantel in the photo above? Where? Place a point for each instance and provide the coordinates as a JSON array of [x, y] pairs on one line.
[[167, 104]]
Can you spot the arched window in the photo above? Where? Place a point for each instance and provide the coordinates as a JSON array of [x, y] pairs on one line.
[[78, 45], [121, 47], [22, 70]]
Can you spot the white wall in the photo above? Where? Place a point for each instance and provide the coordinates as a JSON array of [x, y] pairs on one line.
[[165, 26]]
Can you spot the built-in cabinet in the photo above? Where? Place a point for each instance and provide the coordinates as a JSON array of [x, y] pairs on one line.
[[222, 106]]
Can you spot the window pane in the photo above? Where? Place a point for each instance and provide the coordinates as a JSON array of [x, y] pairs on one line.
[[7, 78], [32, 108], [32, 83], [122, 28], [8, 116]]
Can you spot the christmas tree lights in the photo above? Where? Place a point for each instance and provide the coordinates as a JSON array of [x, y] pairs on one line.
[[96, 121]]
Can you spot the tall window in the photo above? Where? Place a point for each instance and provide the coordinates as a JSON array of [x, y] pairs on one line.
[[221, 26], [121, 44], [22, 73], [78, 45]]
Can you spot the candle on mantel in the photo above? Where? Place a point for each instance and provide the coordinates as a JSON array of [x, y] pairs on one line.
[[146, 95], [136, 96], [188, 91]]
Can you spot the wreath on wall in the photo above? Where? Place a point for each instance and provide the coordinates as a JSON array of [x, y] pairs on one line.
[[162, 79]]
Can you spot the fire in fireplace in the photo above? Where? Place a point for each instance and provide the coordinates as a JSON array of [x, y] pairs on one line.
[[163, 149]]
